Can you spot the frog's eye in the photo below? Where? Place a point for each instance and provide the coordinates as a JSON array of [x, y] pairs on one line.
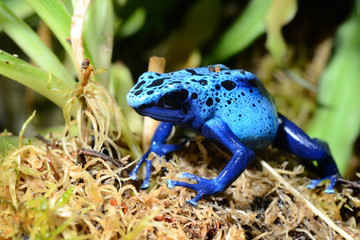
[[173, 99]]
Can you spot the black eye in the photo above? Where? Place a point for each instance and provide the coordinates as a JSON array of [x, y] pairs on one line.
[[174, 99], [171, 99]]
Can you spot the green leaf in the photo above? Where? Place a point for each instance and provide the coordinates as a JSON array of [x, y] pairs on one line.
[[199, 25], [337, 118], [64, 199], [26, 123], [20, 8], [120, 83], [181, 47], [280, 13], [99, 36], [7, 143], [133, 23], [31, 44], [57, 18], [249, 26], [34, 78]]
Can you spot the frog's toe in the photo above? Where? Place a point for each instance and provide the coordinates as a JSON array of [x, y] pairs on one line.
[[132, 174], [330, 189], [313, 183], [145, 185], [194, 201], [135, 170], [199, 187], [204, 187], [171, 184], [202, 182], [191, 176]]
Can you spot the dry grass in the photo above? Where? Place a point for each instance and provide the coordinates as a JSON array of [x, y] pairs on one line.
[[92, 201]]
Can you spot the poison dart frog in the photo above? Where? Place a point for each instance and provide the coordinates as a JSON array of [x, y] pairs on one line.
[[230, 107]]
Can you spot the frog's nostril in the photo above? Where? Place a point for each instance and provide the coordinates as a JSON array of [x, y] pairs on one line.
[[144, 106]]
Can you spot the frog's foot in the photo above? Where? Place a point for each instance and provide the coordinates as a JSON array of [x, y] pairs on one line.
[[204, 187], [133, 173], [157, 149], [330, 189]]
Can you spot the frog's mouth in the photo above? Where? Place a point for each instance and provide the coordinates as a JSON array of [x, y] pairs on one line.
[[161, 114]]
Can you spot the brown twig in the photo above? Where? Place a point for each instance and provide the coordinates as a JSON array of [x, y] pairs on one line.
[[41, 138], [355, 184], [48, 156], [93, 153], [49, 144]]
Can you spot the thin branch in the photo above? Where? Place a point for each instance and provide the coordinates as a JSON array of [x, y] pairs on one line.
[[93, 153]]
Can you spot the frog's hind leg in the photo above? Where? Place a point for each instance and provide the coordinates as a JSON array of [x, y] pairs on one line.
[[294, 140]]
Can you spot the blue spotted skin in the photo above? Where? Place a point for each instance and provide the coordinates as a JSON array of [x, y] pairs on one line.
[[230, 107]]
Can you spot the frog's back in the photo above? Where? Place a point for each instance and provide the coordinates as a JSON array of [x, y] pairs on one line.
[[249, 111], [239, 99]]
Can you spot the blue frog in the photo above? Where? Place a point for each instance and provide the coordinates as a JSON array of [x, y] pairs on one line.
[[230, 107]]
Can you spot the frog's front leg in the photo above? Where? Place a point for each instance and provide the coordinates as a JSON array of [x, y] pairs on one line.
[[158, 147], [294, 140], [218, 130]]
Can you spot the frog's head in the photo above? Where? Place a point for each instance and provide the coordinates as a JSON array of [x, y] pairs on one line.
[[173, 97]]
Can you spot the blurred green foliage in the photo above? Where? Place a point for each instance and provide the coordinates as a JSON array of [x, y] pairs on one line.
[[280, 40], [337, 118]]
